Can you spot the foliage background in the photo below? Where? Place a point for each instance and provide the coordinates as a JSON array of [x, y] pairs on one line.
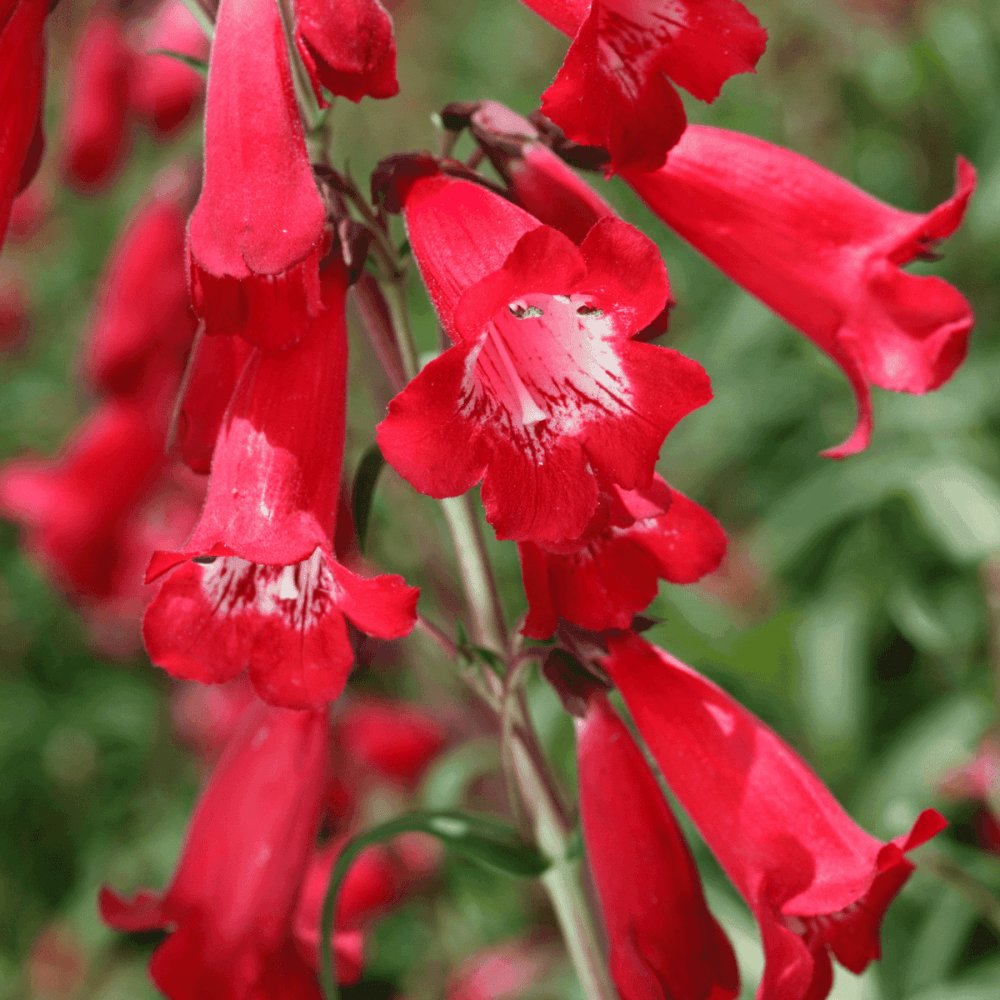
[[852, 616]]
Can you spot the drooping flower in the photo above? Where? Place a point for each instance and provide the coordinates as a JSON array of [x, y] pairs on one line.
[[164, 90], [665, 944], [142, 315], [349, 49], [230, 907], [95, 127], [258, 584], [544, 395], [257, 233], [613, 88], [816, 882], [822, 254], [602, 581], [74, 523], [22, 87]]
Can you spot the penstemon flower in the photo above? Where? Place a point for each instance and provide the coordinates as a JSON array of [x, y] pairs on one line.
[[544, 396], [258, 584]]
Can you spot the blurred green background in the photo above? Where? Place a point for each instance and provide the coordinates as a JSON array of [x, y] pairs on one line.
[[853, 613]]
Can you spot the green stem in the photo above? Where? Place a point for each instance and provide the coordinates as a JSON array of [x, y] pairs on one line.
[[562, 883]]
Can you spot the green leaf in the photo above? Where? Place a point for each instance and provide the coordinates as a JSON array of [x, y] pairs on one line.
[[198, 65], [363, 492], [481, 839]]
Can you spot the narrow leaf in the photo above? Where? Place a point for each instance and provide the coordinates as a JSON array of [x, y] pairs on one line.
[[365, 480], [488, 842], [198, 65]]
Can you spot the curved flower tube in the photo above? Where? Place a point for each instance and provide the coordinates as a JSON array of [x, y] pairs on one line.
[[231, 905], [665, 944], [258, 585], [816, 882], [822, 254]]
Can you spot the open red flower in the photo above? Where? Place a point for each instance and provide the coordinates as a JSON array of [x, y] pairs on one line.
[[665, 944], [816, 882], [545, 396], [164, 90], [257, 234], [613, 88], [602, 582], [258, 585], [231, 904], [142, 314], [95, 127], [22, 87], [822, 254], [349, 48]]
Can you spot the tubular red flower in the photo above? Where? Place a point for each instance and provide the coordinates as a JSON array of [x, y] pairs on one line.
[[22, 87], [823, 255], [665, 944], [95, 127], [816, 882], [602, 582], [349, 49], [231, 903], [544, 396], [612, 89], [165, 91], [142, 314], [74, 523], [258, 583], [257, 234]]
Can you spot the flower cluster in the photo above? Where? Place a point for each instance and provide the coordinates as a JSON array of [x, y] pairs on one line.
[[218, 348]]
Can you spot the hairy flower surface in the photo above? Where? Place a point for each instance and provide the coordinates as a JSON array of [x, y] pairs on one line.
[[602, 581], [665, 944], [816, 882], [22, 88], [258, 585], [544, 395], [349, 49], [231, 905], [257, 232], [613, 88], [822, 254]]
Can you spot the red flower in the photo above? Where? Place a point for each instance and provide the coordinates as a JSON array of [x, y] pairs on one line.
[[22, 87], [612, 90], [257, 234], [601, 582], [396, 740], [348, 48], [665, 944], [816, 882], [75, 523], [544, 396], [142, 315], [165, 91], [823, 255], [95, 136], [979, 781], [264, 588], [231, 904]]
